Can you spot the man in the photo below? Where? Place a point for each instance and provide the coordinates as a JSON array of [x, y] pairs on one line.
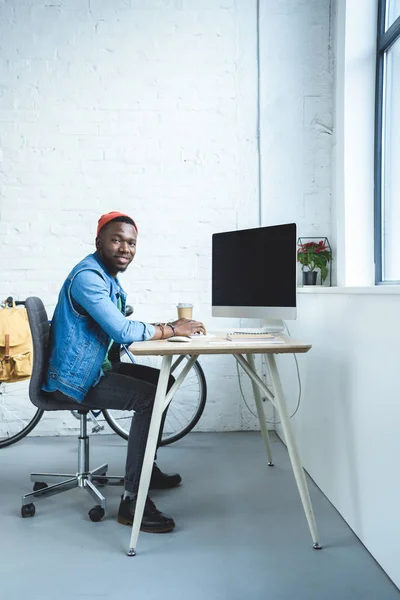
[[88, 318]]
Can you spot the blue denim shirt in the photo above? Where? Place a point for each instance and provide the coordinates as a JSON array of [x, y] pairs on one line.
[[86, 318]]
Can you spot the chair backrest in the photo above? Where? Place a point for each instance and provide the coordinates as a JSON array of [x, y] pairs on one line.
[[40, 329]]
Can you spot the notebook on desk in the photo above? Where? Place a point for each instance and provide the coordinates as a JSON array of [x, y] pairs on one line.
[[262, 337]]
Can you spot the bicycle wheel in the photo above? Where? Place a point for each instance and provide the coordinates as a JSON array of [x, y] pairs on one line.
[[185, 409], [18, 416]]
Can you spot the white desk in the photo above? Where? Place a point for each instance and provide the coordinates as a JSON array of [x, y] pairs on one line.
[[239, 350]]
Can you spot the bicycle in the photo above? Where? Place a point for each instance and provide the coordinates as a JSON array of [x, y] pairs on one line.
[[19, 417], [185, 409]]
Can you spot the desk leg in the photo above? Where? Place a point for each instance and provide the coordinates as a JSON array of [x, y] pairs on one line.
[[150, 451], [280, 405], [260, 411]]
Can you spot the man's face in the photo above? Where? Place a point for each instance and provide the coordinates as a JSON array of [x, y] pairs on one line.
[[116, 245]]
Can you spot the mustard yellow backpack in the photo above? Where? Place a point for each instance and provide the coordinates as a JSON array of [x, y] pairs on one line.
[[16, 352]]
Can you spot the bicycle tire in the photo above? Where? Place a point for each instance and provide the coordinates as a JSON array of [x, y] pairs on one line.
[[31, 424], [21, 434], [192, 422], [202, 402]]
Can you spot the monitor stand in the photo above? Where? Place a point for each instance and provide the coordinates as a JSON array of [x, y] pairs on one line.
[[269, 326], [273, 325]]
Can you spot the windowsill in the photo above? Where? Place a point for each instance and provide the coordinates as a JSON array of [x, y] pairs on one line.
[[373, 289]]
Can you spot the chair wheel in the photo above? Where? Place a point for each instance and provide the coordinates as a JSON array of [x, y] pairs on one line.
[[96, 513], [28, 510], [39, 485]]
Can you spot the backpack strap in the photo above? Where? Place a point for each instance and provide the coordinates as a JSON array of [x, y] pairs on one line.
[[7, 348]]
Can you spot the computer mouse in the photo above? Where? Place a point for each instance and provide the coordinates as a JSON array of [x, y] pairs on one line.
[[179, 338]]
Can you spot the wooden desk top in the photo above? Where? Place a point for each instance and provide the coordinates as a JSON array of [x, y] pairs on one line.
[[218, 345]]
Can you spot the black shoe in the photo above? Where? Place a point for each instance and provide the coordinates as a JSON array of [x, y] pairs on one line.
[[163, 481], [153, 520], [160, 480]]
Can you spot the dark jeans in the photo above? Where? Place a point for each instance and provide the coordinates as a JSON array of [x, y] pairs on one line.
[[128, 387]]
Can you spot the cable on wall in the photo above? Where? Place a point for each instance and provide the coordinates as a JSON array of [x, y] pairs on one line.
[[298, 379]]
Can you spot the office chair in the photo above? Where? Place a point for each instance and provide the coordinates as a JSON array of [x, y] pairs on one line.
[[84, 479]]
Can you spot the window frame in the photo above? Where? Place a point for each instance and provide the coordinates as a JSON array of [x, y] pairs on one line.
[[385, 39]]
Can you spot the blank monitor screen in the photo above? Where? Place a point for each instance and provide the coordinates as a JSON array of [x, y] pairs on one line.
[[254, 273]]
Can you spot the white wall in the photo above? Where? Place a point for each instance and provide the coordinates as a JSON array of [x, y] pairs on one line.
[[347, 427], [353, 167], [150, 107], [146, 107], [347, 424], [296, 114]]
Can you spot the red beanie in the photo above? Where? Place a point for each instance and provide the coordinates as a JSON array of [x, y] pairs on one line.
[[104, 219]]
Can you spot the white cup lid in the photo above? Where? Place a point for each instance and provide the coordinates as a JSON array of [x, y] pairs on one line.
[[183, 305]]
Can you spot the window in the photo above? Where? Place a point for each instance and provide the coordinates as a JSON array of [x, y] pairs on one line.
[[392, 12], [387, 144]]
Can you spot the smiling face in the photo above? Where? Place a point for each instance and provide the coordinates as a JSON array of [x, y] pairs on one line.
[[116, 245]]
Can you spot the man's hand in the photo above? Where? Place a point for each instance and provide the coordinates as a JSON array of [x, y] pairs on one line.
[[187, 327]]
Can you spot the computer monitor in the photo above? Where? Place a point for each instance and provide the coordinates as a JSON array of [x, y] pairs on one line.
[[254, 273]]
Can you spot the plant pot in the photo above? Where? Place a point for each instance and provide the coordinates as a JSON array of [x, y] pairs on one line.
[[310, 277]]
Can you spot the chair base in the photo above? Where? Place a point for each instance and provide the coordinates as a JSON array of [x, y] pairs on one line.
[[67, 481], [85, 479]]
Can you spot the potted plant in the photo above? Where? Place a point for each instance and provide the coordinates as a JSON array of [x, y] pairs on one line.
[[314, 256]]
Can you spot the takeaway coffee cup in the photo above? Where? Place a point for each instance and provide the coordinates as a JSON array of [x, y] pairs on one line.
[[185, 311]]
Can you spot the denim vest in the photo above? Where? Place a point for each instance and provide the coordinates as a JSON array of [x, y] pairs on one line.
[[78, 344]]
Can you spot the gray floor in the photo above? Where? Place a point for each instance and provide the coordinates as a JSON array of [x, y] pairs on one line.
[[241, 533]]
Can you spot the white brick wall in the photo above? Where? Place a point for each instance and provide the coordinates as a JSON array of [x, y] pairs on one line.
[[296, 116], [149, 107]]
